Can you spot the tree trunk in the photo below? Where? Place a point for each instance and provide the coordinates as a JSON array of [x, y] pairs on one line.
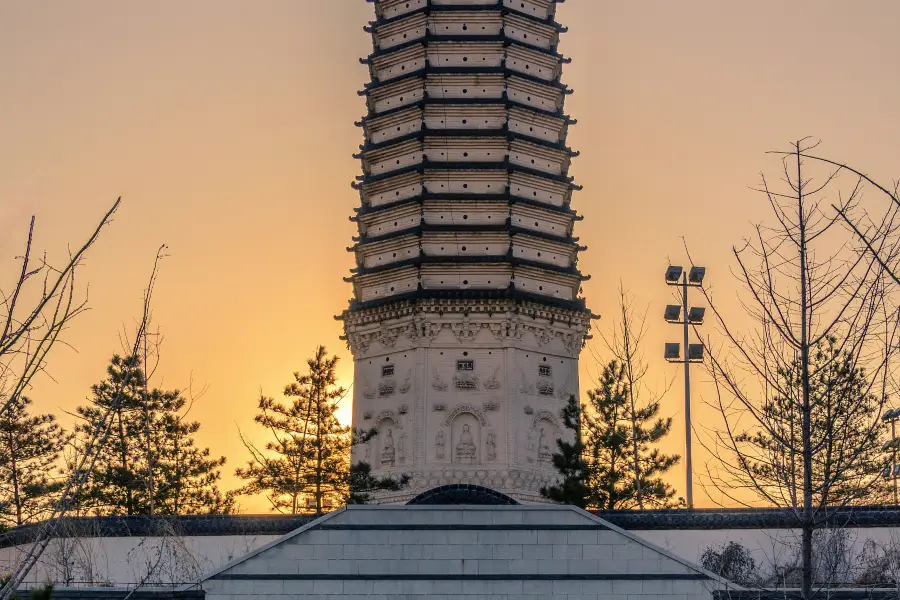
[[626, 334], [318, 454], [15, 480], [123, 448], [807, 520]]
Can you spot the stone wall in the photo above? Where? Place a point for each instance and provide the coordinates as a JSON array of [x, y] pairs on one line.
[[510, 552]]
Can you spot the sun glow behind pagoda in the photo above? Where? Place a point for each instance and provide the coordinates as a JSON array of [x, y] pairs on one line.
[[466, 321]]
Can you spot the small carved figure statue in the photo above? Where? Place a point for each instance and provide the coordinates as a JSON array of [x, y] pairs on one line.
[[491, 446], [544, 453], [465, 449], [387, 451], [439, 446], [529, 456]]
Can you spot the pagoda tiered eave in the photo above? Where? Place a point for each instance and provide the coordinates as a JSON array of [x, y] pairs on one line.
[[540, 11], [464, 299], [467, 314]]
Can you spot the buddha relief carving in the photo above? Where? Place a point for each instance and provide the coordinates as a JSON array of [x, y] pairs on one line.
[[529, 447], [388, 452], [545, 455], [401, 449], [439, 446], [491, 446], [465, 448]]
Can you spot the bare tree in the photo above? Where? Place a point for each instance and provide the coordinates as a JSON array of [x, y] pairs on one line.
[[802, 393], [86, 460], [879, 235], [41, 304]]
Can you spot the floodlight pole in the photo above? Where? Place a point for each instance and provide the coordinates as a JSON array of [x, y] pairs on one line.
[[894, 460], [689, 471]]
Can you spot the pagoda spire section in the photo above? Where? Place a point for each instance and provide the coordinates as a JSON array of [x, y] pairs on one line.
[[467, 318]]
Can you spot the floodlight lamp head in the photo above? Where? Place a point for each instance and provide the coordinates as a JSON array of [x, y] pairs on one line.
[[695, 277], [673, 351], [673, 274], [695, 316], [890, 415], [695, 352], [673, 313]]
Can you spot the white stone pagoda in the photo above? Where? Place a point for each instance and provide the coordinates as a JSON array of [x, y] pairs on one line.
[[467, 319]]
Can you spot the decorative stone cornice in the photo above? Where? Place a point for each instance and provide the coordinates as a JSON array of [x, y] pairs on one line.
[[501, 319]]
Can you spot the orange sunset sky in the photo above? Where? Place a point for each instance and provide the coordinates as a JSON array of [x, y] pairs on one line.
[[227, 128]]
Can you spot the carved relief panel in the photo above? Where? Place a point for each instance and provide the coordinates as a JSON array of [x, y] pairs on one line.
[[465, 385], [383, 395]]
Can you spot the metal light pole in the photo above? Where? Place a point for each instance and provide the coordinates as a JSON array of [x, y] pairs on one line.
[[892, 416], [894, 455], [686, 316]]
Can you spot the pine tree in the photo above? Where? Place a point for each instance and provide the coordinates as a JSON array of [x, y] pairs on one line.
[[30, 447], [845, 467], [602, 475], [311, 448], [569, 461], [115, 486], [185, 476], [150, 463]]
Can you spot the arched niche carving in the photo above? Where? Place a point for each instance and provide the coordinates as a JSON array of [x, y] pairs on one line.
[[388, 414], [467, 445], [388, 442], [544, 415], [466, 408]]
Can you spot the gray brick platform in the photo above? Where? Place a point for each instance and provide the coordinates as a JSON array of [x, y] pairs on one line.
[[450, 552]]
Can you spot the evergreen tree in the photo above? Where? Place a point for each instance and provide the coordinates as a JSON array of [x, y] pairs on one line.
[[115, 486], [569, 461], [609, 429], [30, 447], [185, 477], [363, 485], [846, 434], [150, 463], [310, 455], [309, 459]]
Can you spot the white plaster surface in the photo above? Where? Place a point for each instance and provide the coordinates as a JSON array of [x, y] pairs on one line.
[[122, 561]]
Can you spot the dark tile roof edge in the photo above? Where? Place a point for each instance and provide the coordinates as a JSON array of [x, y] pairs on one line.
[[749, 518], [61, 593], [181, 525], [276, 525], [794, 594]]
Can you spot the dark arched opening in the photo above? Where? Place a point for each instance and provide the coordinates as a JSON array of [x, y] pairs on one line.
[[462, 493]]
